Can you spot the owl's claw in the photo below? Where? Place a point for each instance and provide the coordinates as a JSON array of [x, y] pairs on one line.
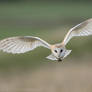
[[59, 60]]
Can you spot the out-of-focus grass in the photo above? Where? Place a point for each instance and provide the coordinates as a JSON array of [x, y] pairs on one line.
[[33, 10], [56, 77]]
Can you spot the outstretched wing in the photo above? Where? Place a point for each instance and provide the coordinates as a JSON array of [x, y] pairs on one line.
[[82, 29], [21, 44]]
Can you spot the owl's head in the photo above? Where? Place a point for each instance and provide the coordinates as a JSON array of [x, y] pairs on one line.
[[59, 52]]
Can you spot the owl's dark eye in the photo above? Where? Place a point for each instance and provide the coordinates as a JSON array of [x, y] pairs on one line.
[[55, 51], [61, 50]]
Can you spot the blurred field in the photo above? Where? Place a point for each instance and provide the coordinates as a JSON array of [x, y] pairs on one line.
[[32, 72], [53, 78]]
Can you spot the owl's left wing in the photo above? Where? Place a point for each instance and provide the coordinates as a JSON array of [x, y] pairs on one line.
[[82, 29]]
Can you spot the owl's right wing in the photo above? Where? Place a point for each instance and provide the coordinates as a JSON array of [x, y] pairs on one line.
[[22, 44]]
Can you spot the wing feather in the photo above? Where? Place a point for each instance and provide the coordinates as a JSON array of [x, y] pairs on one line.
[[82, 29], [22, 44]]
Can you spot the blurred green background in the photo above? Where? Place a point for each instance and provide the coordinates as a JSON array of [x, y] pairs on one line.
[[49, 20]]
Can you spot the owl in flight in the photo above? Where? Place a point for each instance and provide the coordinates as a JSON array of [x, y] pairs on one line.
[[22, 44]]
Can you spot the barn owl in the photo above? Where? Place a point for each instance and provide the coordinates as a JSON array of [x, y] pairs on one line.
[[22, 44]]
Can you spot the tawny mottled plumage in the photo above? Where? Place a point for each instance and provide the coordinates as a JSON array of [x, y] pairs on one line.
[[22, 44]]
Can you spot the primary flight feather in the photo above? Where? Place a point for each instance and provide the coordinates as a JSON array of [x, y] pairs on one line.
[[22, 44]]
